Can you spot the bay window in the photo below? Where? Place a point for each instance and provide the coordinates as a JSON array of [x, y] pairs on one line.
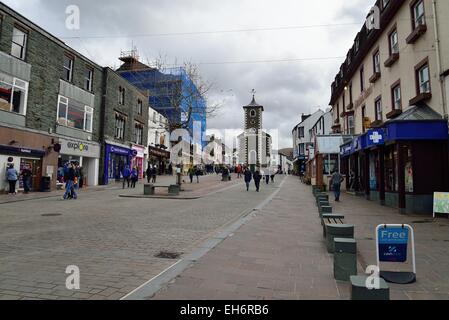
[[74, 114], [13, 94]]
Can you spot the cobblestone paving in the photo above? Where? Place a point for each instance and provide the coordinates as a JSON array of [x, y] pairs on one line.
[[112, 240]]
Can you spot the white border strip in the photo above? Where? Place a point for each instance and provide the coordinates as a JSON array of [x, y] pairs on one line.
[[143, 285]]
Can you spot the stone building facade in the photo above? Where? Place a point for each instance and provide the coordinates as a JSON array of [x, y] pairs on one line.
[[124, 126], [48, 89]]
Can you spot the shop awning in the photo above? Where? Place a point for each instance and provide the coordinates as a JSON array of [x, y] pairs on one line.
[[417, 123], [331, 144]]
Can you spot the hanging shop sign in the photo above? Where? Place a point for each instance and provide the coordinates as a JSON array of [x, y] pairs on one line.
[[440, 203], [392, 241]]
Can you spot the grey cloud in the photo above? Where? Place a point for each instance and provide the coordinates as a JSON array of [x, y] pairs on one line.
[[287, 89]]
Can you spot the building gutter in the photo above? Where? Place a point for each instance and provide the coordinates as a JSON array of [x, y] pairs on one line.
[[438, 52]]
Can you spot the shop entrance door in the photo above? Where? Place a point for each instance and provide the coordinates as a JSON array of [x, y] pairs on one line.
[[36, 169]]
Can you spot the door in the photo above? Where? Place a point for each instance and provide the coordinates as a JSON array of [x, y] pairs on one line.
[[36, 168]]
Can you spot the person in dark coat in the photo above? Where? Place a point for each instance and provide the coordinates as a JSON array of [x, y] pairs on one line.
[[26, 177], [126, 176], [248, 177], [148, 174], [257, 177], [154, 174]]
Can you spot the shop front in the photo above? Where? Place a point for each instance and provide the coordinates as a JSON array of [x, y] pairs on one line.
[[406, 161], [28, 149], [160, 158], [139, 160], [115, 160], [86, 153]]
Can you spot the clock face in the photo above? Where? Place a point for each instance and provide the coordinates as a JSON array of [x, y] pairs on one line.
[[253, 122]]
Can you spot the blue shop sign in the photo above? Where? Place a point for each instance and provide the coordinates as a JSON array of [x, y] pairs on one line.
[[346, 150], [392, 242], [417, 130], [375, 137], [119, 150]]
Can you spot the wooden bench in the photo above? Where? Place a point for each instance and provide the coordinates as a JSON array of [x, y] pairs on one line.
[[329, 218], [173, 190]]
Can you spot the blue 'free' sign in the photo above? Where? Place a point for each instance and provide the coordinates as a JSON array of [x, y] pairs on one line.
[[393, 244]]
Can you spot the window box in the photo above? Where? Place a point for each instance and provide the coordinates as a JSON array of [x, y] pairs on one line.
[[391, 60], [375, 77], [416, 34], [420, 98], [377, 124], [393, 114]]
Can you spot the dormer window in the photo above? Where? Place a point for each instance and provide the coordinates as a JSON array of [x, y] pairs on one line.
[[357, 44]]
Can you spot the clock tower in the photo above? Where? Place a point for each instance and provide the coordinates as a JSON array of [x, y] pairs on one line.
[[255, 144], [253, 116]]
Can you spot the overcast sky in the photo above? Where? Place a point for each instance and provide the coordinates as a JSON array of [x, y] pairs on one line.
[[317, 36]]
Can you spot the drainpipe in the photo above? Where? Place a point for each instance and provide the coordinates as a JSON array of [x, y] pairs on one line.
[[440, 71]]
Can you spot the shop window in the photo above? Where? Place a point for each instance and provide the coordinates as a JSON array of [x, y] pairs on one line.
[[391, 160], [19, 43], [13, 94], [409, 187], [74, 114], [331, 164]]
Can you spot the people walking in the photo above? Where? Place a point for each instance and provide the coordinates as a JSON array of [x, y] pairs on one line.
[[126, 176], [191, 173], [148, 173], [12, 177], [70, 191], [154, 174], [336, 181], [267, 176], [134, 177], [197, 174], [248, 177], [26, 178], [257, 177]]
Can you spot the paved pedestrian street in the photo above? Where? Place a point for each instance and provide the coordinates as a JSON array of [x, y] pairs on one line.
[[113, 240], [280, 254]]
